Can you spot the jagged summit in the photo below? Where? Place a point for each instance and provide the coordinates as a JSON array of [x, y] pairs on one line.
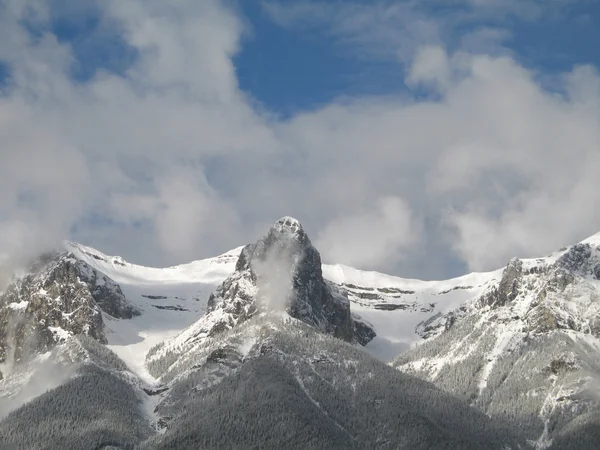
[[286, 269], [58, 297], [280, 273], [289, 228], [286, 244], [533, 334], [288, 224]]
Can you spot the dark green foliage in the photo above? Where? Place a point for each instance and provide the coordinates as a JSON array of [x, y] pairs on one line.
[[91, 411], [541, 382], [582, 433], [300, 389], [262, 406], [293, 388]]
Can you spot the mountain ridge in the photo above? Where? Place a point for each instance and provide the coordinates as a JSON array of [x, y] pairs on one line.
[[526, 348], [285, 328], [516, 343]]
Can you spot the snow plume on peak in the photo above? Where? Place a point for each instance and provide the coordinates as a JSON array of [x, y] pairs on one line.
[[274, 261], [274, 274], [286, 269], [280, 273]]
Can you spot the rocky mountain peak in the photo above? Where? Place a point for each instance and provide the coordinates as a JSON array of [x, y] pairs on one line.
[[508, 288], [59, 296], [531, 334], [558, 292], [286, 243], [282, 272], [582, 258], [288, 226]]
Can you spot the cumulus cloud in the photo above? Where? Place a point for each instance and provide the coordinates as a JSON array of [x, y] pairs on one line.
[[111, 149], [506, 164], [378, 236], [430, 67], [167, 159]]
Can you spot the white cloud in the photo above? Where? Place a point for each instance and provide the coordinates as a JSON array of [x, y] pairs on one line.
[[378, 236], [188, 213], [514, 162], [430, 67], [174, 156], [115, 146], [382, 28], [377, 29]]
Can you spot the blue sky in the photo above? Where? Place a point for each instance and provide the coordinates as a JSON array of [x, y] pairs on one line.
[[394, 130], [292, 68], [288, 68]]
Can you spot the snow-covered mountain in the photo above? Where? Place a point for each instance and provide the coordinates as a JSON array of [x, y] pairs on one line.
[[279, 274], [170, 342], [398, 308], [60, 296], [389, 305], [527, 349], [520, 344], [169, 300]]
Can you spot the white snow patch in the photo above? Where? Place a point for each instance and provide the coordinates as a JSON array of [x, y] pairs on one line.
[[169, 299], [420, 300], [593, 240], [18, 306], [60, 334], [505, 336]]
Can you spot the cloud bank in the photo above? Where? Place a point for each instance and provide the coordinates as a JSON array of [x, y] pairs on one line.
[[160, 157]]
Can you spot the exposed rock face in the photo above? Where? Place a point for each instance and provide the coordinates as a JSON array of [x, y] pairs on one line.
[[59, 297], [282, 271], [363, 331], [531, 336], [576, 258], [508, 288], [582, 259], [107, 294], [543, 287]]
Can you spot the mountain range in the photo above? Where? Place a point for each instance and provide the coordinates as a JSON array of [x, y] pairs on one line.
[[266, 347]]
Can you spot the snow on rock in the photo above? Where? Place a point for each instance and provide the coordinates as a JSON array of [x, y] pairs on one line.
[[279, 273], [205, 271], [60, 335], [402, 311], [528, 335], [51, 296], [288, 225], [20, 306], [131, 308]]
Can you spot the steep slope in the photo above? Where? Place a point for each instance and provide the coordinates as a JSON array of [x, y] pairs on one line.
[[401, 310], [275, 382], [58, 297], [526, 350], [280, 272], [169, 299], [85, 398], [275, 361], [386, 309]]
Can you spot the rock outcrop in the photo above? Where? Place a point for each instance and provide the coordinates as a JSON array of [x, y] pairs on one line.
[[282, 272], [508, 288], [531, 335], [60, 296]]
